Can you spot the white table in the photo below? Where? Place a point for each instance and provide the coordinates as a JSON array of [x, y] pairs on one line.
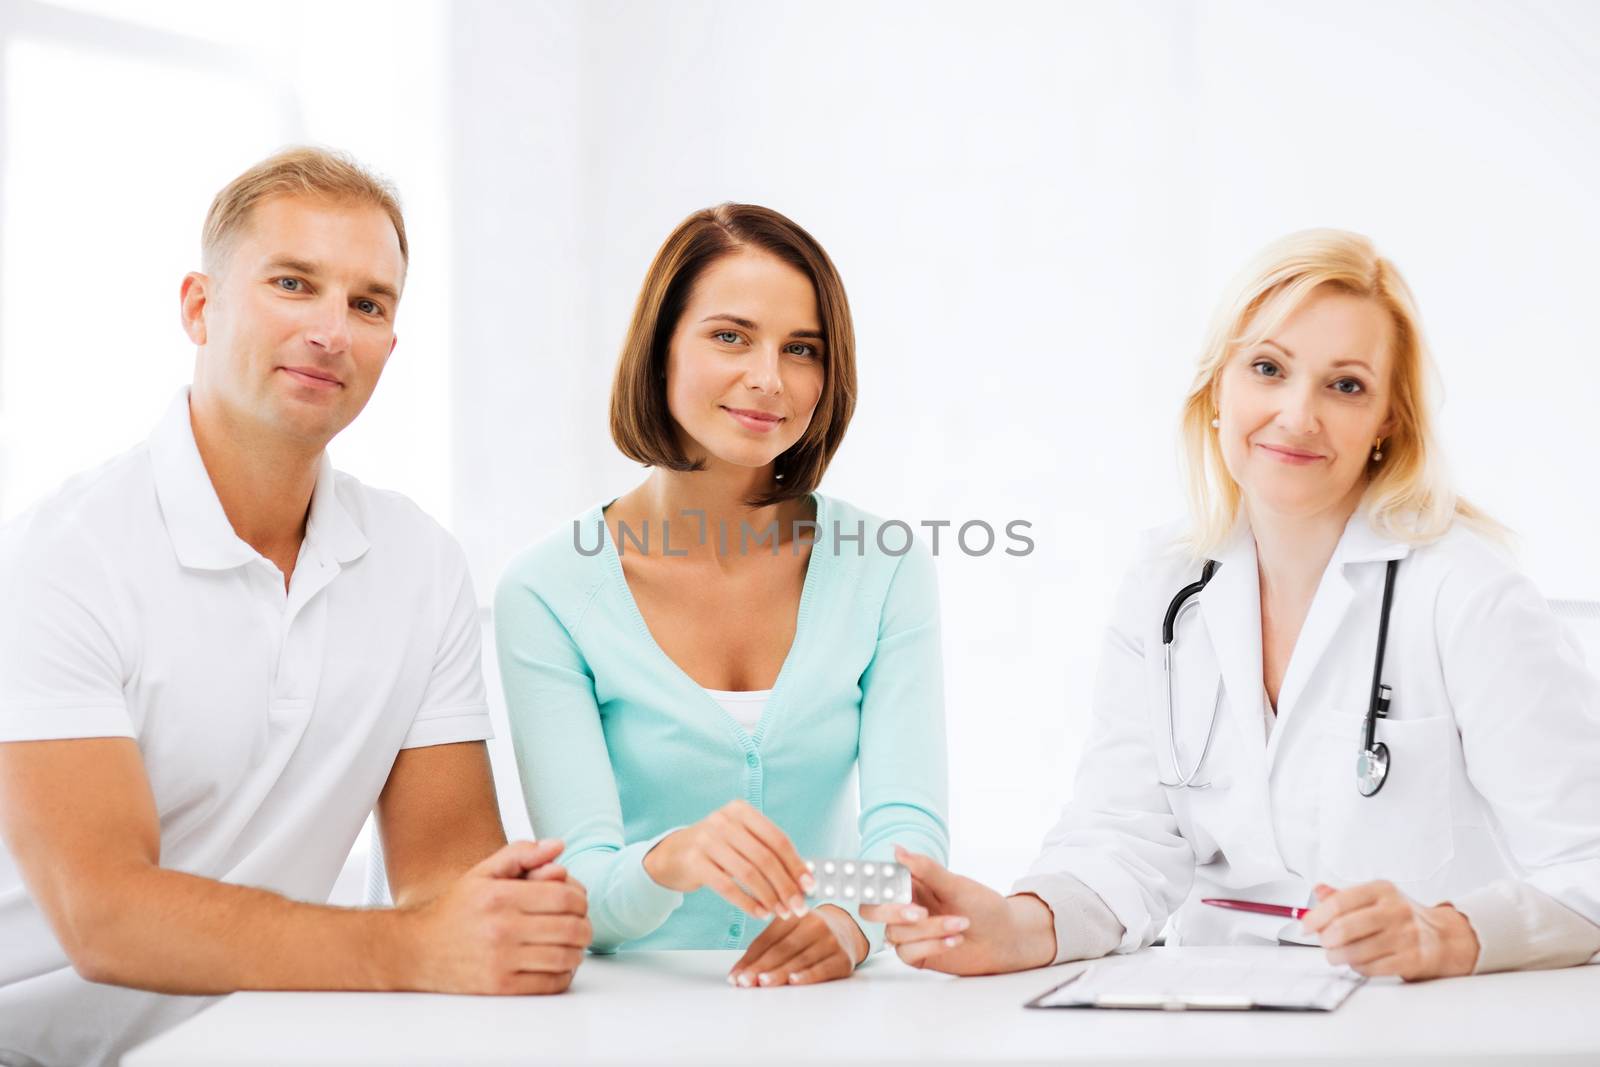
[[676, 1008]]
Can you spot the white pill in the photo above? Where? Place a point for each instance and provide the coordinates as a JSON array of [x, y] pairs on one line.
[[849, 890], [849, 868], [869, 893], [868, 869]]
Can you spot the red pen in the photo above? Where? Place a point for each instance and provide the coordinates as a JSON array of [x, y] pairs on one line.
[[1282, 910]]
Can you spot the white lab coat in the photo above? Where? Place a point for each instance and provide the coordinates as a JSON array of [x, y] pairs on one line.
[[1493, 736]]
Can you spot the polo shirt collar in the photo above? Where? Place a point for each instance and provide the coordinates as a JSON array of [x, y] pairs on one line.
[[330, 527], [202, 536]]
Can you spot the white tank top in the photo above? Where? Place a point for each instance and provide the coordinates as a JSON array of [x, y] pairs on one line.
[[745, 708]]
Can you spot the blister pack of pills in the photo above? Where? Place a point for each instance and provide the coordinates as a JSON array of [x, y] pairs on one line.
[[866, 881]]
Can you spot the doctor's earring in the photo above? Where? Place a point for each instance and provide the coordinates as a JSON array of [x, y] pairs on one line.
[[1216, 424], [1377, 450]]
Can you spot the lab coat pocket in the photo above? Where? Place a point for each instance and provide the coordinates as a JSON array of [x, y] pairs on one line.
[[1402, 833]]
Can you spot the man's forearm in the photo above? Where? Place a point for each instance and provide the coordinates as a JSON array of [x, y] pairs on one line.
[[177, 933]]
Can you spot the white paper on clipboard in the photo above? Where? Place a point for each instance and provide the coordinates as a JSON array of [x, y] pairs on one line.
[[1159, 981]]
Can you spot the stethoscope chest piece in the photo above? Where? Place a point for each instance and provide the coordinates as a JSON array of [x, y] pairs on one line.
[[1372, 769]]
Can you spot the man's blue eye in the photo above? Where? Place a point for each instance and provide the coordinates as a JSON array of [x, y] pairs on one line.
[[291, 285], [367, 307]]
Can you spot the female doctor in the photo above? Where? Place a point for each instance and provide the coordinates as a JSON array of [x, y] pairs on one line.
[[1438, 810]]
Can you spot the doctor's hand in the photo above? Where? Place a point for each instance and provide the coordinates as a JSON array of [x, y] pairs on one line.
[[817, 947], [1376, 929], [741, 855], [960, 926]]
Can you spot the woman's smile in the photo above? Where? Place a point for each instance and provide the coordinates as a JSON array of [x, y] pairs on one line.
[[757, 421]]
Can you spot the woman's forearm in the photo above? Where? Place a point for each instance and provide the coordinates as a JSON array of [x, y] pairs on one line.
[[1521, 927], [625, 901], [1035, 932]]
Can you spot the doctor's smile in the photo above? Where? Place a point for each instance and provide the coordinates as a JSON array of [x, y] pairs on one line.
[[1291, 456]]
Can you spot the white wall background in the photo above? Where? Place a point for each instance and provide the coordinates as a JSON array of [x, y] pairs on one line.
[[1033, 206], [119, 121]]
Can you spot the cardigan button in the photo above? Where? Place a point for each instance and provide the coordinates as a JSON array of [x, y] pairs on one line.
[[752, 759]]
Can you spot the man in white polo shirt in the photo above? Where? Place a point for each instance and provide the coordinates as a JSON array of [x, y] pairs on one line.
[[218, 655]]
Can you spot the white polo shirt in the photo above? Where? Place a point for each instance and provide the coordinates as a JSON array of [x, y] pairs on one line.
[[268, 722]]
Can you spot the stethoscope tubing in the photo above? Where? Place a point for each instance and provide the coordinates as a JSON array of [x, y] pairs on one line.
[[1184, 780], [1369, 732], [1169, 629], [1376, 703], [1169, 622]]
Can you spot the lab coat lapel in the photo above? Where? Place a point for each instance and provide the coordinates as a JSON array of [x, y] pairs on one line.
[[1230, 607], [1330, 608]]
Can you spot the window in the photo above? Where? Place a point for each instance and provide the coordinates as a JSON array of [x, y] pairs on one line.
[[120, 122]]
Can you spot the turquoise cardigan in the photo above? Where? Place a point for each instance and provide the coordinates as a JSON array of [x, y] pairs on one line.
[[617, 746]]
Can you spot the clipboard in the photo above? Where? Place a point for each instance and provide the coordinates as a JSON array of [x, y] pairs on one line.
[[1158, 982]]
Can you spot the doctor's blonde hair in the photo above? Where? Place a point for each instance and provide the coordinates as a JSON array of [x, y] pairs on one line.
[[1409, 496]]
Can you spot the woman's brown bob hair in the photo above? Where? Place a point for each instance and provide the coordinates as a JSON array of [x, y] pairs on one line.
[[642, 426]]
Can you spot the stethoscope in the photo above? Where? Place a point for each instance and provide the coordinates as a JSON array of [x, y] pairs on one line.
[[1372, 763]]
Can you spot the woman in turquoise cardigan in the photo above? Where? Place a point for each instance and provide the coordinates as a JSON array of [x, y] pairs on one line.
[[700, 673]]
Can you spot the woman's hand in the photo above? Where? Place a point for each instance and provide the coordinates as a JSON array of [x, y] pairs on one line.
[[741, 855], [1376, 929], [960, 926], [819, 947]]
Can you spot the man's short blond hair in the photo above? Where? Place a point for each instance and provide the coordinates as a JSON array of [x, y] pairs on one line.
[[299, 171]]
